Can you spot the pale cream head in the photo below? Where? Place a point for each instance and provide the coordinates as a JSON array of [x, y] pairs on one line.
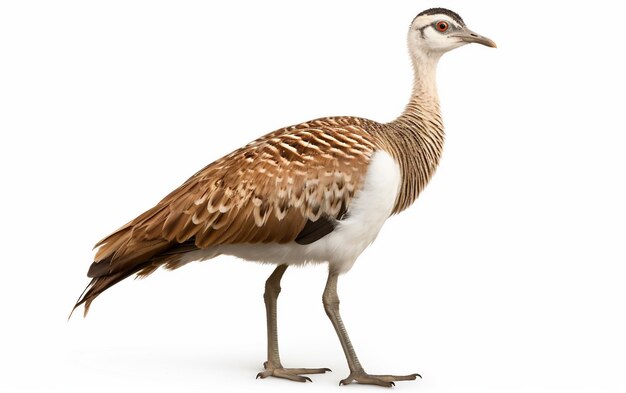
[[437, 30]]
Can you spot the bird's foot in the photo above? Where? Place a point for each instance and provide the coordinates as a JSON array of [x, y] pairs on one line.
[[293, 374], [380, 380]]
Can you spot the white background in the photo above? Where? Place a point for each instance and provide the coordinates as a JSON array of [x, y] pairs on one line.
[[506, 275]]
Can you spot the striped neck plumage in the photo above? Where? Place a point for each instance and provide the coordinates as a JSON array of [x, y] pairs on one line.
[[415, 138]]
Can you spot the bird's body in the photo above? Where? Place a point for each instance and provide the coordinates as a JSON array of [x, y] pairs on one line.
[[297, 195], [316, 192], [370, 208]]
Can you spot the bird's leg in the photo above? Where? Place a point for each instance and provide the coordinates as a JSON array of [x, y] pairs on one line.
[[272, 366], [331, 306]]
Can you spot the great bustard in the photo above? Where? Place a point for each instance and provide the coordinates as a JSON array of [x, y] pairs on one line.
[[315, 192]]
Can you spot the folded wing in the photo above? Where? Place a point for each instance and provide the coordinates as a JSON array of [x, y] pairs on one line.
[[285, 186]]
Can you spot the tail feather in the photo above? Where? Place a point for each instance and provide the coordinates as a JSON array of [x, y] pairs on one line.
[[146, 259], [125, 252], [102, 283]]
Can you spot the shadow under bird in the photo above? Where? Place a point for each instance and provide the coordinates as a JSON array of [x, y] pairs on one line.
[[316, 192]]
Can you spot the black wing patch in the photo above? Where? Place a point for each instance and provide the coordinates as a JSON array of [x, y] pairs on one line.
[[315, 230]]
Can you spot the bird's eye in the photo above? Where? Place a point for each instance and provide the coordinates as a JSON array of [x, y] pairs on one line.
[[442, 26]]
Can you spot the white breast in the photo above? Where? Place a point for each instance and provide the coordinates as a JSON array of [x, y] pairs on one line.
[[368, 211]]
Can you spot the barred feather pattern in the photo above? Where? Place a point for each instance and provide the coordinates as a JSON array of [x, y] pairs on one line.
[[263, 192]]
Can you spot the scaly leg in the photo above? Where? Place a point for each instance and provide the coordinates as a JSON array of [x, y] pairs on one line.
[[272, 366], [331, 306]]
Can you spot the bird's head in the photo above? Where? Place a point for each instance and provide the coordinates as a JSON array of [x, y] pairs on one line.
[[438, 30]]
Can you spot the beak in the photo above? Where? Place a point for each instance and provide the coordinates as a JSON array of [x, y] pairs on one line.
[[466, 35]]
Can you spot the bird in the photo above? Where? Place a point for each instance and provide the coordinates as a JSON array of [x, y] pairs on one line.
[[317, 192]]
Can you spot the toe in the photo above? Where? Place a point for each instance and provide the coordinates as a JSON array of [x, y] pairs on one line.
[[391, 378], [282, 373], [370, 380], [308, 370]]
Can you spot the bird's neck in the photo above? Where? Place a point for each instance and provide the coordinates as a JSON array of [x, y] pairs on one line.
[[416, 137], [424, 103]]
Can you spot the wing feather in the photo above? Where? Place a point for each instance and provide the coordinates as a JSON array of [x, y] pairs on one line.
[[267, 191]]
